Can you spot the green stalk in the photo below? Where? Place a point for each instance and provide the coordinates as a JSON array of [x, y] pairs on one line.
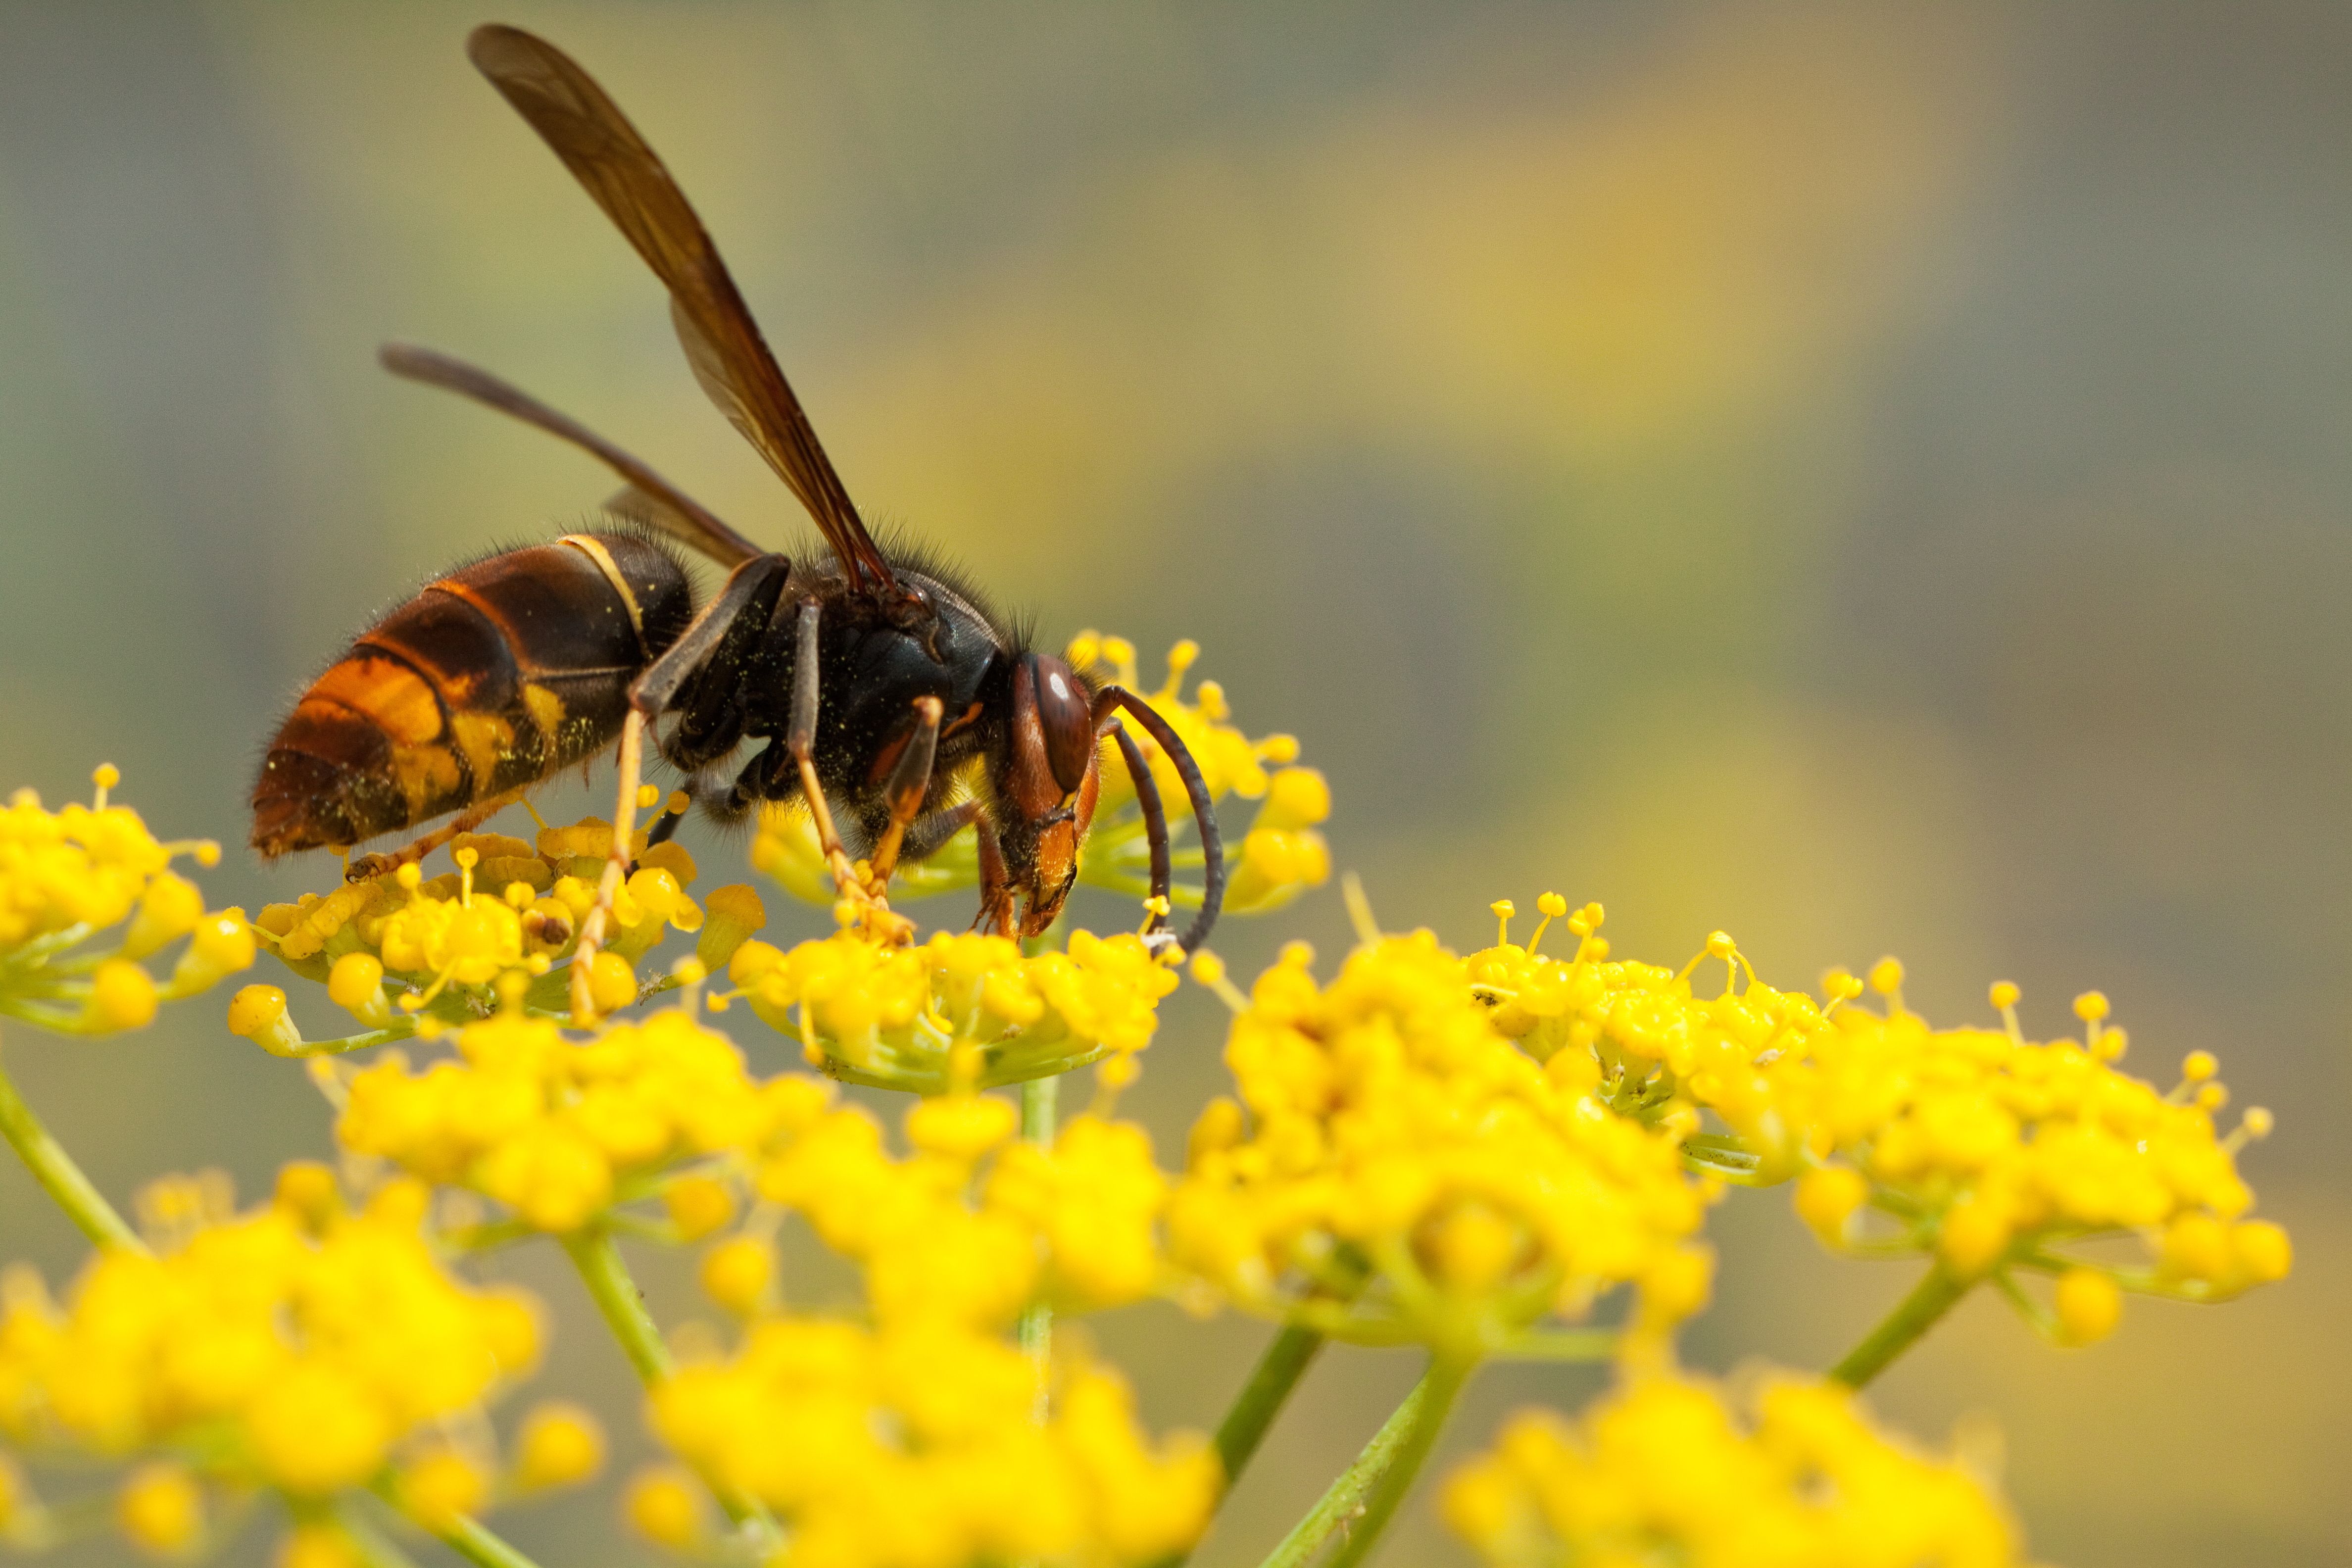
[[374, 1547], [1277, 1372], [468, 1537], [58, 1175], [614, 1292], [1365, 1496], [1285, 1361], [1936, 1294], [470, 1540], [1040, 1096]]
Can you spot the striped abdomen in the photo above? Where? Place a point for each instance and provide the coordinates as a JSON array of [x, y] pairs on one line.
[[495, 676]]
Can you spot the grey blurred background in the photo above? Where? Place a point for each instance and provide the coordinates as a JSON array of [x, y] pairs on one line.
[[1872, 479]]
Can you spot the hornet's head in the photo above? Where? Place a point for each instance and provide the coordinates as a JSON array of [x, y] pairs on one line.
[[1046, 786]]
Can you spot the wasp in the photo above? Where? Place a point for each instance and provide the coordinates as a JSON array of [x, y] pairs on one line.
[[890, 696]]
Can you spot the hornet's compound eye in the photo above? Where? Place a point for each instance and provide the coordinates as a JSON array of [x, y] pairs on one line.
[[1065, 715]]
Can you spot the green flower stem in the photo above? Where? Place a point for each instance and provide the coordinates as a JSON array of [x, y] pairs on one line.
[[1277, 1372], [1365, 1496], [1561, 1345], [1040, 1098], [614, 1292], [470, 1540], [466, 1535], [1936, 1294], [617, 1296], [374, 1549], [1285, 1361], [58, 1175]]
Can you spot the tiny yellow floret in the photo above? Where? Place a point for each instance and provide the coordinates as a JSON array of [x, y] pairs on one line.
[[162, 1508], [318, 1546], [1827, 1197], [441, 1485], [699, 1206], [664, 1504], [559, 1445], [735, 1272], [2089, 1304]]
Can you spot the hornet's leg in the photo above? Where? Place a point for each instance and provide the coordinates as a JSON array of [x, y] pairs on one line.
[[800, 741], [1108, 703], [925, 836], [1155, 821], [616, 866], [910, 780], [995, 915], [370, 865], [738, 612]]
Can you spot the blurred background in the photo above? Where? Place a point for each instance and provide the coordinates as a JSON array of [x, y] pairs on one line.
[[1874, 479]]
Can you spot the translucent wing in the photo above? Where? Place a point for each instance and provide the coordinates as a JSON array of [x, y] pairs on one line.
[[723, 344], [648, 497]]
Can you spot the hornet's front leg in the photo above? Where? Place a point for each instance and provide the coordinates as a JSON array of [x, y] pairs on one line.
[[996, 890]]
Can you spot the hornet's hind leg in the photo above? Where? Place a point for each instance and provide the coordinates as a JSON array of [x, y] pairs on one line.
[[616, 867], [366, 868]]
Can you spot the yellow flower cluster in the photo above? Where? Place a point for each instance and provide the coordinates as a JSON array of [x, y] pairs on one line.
[[1664, 1472], [918, 1446], [970, 1229], [1981, 1144], [68, 874], [1280, 856], [296, 1346], [922, 1435], [960, 1011], [559, 1131], [1403, 1173], [393, 946]]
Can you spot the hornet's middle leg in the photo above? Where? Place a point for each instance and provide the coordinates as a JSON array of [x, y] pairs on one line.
[[910, 780]]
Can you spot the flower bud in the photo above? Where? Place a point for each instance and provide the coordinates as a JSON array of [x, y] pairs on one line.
[[699, 1206], [356, 985], [307, 1189], [735, 1272], [664, 1504], [440, 1487], [220, 945], [160, 1509], [1827, 1198], [170, 908], [560, 1444], [318, 1546], [122, 997], [2089, 1306], [2263, 1250], [612, 983], [730, 917], [1975, 1234], [960, 1127], [259, 1013]]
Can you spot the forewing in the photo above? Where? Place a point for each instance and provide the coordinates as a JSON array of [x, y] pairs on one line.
[[731, 359]]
